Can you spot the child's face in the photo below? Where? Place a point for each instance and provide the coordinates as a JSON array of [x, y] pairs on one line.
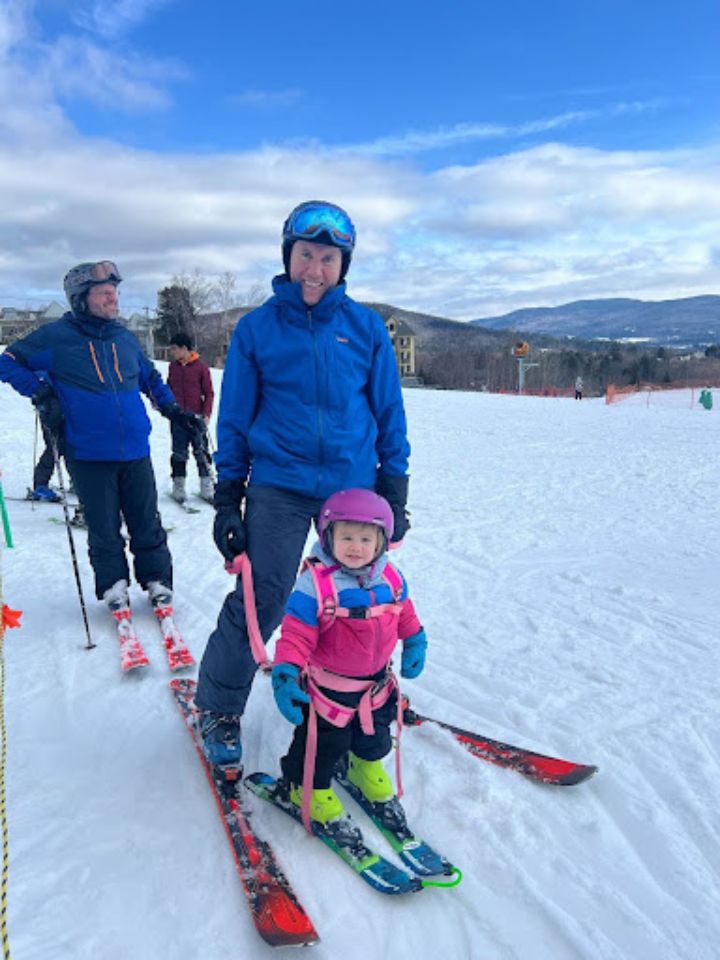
[[355, 545]]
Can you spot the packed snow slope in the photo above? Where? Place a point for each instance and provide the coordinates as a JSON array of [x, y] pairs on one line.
[[564, 562]]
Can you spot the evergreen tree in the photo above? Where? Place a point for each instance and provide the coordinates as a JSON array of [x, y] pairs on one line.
[[175, 313]]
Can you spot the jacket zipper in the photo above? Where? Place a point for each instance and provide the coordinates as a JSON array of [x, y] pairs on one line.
[[317, 398], [109, 366]]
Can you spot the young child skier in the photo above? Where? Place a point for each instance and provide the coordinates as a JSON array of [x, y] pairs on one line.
[[348, 610]]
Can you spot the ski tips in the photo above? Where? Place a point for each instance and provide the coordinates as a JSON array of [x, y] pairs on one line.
[[453, 880]]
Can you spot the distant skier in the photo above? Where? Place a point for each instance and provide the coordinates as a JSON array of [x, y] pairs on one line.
[[578, 388], [97, 370], [310, 404], [190, 381], [348, 610]]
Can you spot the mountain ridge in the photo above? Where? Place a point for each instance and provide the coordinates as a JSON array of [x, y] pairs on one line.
[[684, 322]]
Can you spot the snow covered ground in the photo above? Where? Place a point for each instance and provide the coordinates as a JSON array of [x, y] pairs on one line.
[[564, 561]]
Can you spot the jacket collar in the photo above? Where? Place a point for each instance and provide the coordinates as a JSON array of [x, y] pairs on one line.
[[289, 296], [92, 326]]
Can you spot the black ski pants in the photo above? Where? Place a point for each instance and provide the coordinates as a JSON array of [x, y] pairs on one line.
[[334, 742], [111, 491], [278, 523], [46, 462], [181, 440]]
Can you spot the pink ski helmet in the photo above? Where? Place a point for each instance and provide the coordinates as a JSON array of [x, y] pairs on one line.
[[355, 506]]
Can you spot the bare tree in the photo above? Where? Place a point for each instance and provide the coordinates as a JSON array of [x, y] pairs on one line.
[[202, 290]]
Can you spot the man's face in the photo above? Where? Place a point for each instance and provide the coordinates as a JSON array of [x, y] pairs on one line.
[[179, 353], [316, 267], [102, 301]]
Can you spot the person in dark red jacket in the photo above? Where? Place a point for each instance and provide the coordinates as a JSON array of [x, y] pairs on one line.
[[190, 381]]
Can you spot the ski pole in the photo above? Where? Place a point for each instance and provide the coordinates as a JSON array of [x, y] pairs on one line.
[[66, 510], [35, 447]]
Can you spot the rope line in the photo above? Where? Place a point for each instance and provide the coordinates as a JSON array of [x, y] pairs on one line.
[[3, 745]]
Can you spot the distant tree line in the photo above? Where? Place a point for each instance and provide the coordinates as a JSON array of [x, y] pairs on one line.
[[496, 369]]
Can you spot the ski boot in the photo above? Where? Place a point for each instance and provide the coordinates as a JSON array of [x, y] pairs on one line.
[[160, 595], [78, 518], [207, 488], [117, 597], [325, 805], [333, 822], [178, 489], [46, 494], [222, 745], [372, 781]]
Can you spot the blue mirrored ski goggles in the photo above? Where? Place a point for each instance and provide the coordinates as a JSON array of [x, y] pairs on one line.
[[309, 222]]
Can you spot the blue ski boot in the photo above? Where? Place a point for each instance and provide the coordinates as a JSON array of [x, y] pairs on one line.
[[43, 493], [220, 734]]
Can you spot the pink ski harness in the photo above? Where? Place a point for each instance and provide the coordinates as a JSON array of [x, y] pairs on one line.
[[374, 693]]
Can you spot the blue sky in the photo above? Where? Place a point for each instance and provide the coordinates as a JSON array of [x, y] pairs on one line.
[[492, 156]]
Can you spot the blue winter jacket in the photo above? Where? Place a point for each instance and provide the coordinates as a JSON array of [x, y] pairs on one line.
[[311, 398], [97, 368]]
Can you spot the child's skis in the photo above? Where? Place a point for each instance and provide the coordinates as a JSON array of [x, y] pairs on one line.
[[535, 766], [276, 911], [389, 818], [344, 839]]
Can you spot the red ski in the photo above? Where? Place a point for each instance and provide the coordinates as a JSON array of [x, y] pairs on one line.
[[132, 654], [276, 911], [536, 766], [178, 655]]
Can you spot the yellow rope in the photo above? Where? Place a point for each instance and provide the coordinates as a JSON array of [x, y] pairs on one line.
[[3, 746], [3, 808]]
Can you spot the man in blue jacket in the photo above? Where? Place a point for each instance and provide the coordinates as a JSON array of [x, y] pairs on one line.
[[310, 404], [95, 370]]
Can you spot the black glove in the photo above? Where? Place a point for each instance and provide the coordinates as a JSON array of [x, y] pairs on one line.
[[229, 529], [395, 491], [192, 422], [49, 410]]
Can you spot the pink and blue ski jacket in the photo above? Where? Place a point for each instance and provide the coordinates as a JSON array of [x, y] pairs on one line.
[[349, 647]]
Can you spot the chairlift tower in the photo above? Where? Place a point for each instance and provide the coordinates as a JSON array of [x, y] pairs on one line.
[[520, 351]]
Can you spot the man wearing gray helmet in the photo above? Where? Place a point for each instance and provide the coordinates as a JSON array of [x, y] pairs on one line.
[[95, 371]]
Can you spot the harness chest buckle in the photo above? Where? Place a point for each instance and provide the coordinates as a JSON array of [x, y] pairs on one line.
[[358, 613]]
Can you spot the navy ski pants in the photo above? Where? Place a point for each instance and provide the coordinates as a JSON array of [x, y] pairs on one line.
[[278, 523], [334, 742], [111, 491]]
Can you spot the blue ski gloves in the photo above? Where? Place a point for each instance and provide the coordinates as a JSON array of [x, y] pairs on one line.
[[395, 491], [413, 655], [229, 529], [287, 692], [192, 422], [49, 410]]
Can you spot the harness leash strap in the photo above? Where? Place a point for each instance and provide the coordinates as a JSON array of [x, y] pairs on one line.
[[242, 567]]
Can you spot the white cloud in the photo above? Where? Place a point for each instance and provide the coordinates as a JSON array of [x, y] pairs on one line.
[[535, 226], [112, 18], [76, 67], [420, 141]]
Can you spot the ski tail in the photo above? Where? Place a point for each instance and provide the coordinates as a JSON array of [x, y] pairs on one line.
[[276, 912], [535, 766]]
